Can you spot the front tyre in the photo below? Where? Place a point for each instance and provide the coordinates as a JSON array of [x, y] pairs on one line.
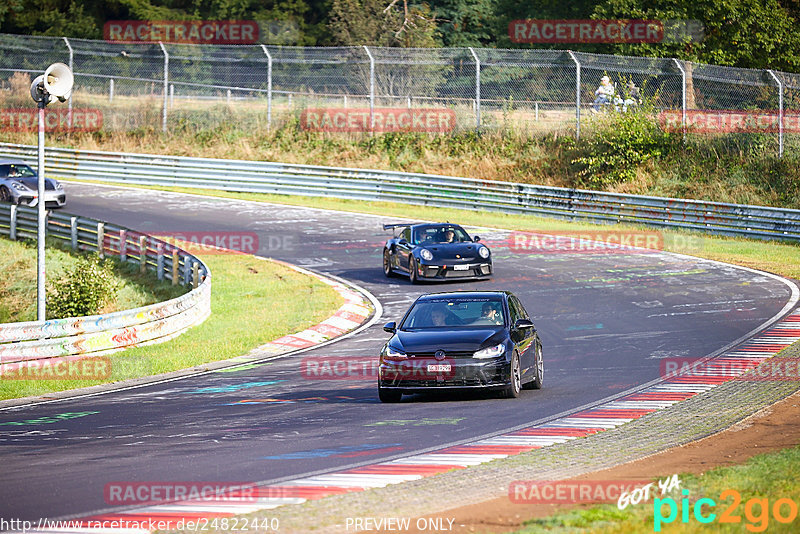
[[412, 270], [5, 195], [513, 389], [389, 395]]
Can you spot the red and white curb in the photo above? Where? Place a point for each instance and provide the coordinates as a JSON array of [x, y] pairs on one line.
[[597, 419]]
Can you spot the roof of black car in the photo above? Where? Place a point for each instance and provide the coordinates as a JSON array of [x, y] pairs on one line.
[[469, 294]]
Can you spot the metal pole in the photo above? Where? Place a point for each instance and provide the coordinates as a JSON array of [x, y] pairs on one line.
[[166, 84], [69, 102], [477, 89], [577, 95], [269, 85], [780, 112], [171, 95], [111, 90], [371, 89], [683, 96], [40, 231]]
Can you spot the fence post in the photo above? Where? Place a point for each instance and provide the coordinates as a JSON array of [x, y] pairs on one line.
[[577, 95], [371, 89], [73, 232], [142, 253], [123, 246], [111, 90], [780, 111], [69, 101], [187, 270], [172, 95], [166, 88], [195, 274], [683, 96], [160, 261], [100, 238], [12, 224], [477, 89], [269, 85], [175, 262]]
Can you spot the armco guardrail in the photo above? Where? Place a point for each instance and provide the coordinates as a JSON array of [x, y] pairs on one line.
[[100, 334], [444, 191]]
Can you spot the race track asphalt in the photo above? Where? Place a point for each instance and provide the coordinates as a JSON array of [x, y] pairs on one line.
[[607, 322]]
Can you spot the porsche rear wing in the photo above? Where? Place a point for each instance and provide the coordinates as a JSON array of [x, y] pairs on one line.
[[396, 225]]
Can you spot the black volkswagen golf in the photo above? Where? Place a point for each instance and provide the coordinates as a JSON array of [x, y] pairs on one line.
[[464, 339]]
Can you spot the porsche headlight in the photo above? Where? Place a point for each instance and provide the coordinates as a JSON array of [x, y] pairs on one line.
[[483, 252], [59, 186], [490, 352], [426, 254], [18, 186]]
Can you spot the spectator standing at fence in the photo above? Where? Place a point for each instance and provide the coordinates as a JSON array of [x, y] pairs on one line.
[[633, 96], [603, 94]]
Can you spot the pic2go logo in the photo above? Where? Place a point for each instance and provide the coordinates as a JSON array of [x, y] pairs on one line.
[[756, 511]]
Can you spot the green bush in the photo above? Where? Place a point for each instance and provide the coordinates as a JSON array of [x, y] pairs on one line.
[[619, 144], [82, 290]]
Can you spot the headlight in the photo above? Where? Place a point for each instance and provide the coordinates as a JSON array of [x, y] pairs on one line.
[[491, 352], [59, 186], [394, 354], [426, 254], [18, 186], [483, 252]]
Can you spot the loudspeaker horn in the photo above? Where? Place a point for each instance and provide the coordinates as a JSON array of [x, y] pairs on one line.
[[58, 81]]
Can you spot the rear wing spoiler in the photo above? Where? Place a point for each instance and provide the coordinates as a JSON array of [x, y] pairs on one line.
[[396, 225]]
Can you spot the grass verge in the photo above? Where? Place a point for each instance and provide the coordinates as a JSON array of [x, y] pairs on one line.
[[779, 258], [18, 283], [764, 478], [253, 301]]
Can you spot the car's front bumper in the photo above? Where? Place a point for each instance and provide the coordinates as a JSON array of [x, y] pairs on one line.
[[465, 373], [450, 271], [52, 198]]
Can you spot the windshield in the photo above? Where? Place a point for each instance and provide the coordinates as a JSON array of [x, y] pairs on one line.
[[440, 234], [455, 311], [13, 170]]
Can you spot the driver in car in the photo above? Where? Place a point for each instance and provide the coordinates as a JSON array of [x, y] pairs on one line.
[[491, 312]]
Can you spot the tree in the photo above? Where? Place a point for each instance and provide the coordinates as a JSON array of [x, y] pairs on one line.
[[755, 34], [375, 23]]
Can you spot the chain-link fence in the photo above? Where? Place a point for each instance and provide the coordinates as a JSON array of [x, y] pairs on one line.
[[170, 86]]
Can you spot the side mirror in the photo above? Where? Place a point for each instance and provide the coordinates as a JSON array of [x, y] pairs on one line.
[[391, 327], [523, 323], [402, 242], [476, 238]]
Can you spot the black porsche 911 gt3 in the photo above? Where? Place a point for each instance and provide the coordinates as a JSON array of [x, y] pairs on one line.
[[435, 251], [461, 340]]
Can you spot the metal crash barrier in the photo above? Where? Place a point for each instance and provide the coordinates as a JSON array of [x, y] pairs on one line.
[[102, 334], [423, 189]]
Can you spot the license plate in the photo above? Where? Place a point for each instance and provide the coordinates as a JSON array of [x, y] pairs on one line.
[[460, 267], [439, 368]]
